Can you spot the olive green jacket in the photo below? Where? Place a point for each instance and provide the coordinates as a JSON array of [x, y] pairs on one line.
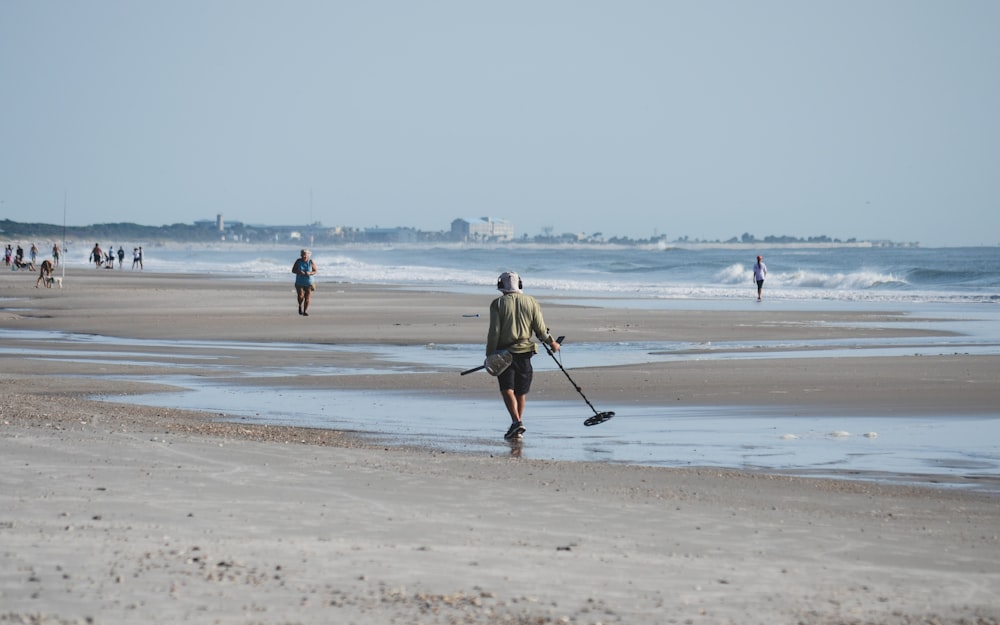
[[514, 317]]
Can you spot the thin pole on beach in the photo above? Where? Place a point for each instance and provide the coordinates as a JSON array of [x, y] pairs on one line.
[[62, 261]]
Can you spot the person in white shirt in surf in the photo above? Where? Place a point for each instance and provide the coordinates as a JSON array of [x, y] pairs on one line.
[[759, 272]]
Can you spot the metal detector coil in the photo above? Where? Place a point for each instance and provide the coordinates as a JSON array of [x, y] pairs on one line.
[[599, 417]]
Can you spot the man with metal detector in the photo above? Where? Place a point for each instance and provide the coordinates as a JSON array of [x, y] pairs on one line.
[[514, 317]]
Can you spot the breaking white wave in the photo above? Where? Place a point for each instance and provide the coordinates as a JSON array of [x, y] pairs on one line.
[[888, 275]]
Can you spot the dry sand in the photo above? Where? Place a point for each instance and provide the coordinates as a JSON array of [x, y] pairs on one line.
[[113, 513]]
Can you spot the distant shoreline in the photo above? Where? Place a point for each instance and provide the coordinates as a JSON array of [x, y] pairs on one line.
[[529, 245], [660, 246], [205, 232]]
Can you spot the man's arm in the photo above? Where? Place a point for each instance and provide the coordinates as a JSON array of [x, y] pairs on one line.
[[493, 334], [541, 331]]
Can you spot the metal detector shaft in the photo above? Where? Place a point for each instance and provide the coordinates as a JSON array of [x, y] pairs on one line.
[[566, 373], [473, 370]]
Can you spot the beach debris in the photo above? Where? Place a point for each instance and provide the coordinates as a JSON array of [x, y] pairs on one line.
[[870, 434], [789, 437], [840, 434]]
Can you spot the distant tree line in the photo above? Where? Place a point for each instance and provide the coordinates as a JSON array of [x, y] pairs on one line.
[[100, 232], [749, 238], [317, 234]]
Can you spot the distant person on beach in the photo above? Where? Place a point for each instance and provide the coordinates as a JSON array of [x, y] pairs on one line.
[[759, 272], [97, 256], [135, 258], [304, 270], [121, 256], [20, 264], [44, 273], [55, 254], [514, 317]]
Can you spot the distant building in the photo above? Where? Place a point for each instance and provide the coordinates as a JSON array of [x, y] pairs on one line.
[[482, 229], [390, 235]]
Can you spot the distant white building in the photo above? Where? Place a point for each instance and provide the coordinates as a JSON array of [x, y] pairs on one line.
[[482, 229]]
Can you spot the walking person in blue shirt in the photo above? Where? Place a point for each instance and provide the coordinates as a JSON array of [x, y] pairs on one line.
[[759, 272], [304, 270]]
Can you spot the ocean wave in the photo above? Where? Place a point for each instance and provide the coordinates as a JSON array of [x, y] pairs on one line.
[[740, 274], [961, 277], [877, 277]]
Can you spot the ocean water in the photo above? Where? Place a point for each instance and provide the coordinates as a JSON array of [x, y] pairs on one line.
[[863, 274], [959, 287]]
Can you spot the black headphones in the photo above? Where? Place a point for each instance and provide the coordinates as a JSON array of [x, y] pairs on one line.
[[520, 283]]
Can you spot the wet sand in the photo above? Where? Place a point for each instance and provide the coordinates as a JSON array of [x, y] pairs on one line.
[[121, 513]]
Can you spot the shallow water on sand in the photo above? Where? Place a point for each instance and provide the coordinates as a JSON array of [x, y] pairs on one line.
[[947, 449]]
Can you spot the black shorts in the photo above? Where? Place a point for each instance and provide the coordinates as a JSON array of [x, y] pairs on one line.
[[517, 376]]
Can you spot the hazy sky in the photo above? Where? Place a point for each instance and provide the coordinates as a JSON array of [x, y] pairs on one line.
[[876, 119]]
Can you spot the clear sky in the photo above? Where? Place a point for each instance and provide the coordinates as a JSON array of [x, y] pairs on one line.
[[875, 119]]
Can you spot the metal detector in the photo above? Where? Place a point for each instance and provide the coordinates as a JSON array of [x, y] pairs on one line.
[[599, 417]]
